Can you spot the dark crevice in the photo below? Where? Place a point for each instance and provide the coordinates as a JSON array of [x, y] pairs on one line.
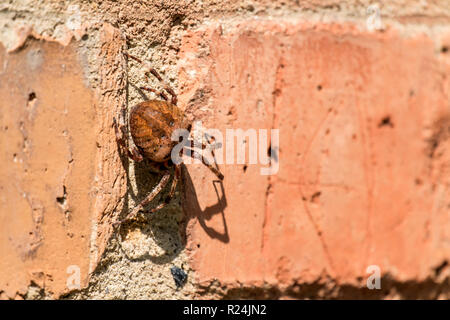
[[31, 96], [272, 153], [441, 134], [177, 19], [328, 289], [438, 270], [386, 122], [62, 200], [315, 196]]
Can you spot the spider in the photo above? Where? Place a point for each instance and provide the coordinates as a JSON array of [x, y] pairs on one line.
[[151, 124]]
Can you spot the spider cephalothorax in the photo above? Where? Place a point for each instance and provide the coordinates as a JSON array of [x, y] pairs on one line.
[[152, 124]]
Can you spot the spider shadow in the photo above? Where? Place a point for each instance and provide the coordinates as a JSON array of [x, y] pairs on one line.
[[159, 232], [162, 228], [192, 208], [167, 227]]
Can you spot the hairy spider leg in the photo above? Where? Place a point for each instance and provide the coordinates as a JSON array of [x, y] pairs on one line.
[[155, 73]]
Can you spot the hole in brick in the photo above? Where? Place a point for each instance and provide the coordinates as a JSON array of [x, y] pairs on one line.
[[441, 134], [177, 19], [319, 87], [434, 146], [31, 96], [84, 37], [444, 49], [26, 145], [386, 122], [245, 167], [315, 196], [272, 153], [62, 200]]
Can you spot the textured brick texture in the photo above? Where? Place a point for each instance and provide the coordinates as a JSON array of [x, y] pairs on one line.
[[47, 146], [361, 181], [364, 160], [54, 175]]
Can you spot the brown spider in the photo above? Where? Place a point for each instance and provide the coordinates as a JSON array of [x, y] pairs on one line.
[[151, 126]]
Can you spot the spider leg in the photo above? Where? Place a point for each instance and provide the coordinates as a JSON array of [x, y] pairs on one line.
[[195, 155], [156, 190], [155, 73], [132, 57], [132, 152], [210, 146], [173, 187], [158, 93], [165, 85], [209, 139]]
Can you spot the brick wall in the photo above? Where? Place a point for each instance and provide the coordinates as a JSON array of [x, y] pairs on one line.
[[358, 90]]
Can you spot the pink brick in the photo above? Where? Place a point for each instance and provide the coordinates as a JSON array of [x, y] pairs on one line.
[[364, 161]]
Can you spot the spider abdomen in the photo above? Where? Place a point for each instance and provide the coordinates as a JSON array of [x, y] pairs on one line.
[[151, 126]]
